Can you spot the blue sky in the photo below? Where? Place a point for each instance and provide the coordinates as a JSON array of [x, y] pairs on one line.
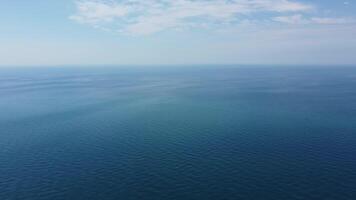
[[160, 32]]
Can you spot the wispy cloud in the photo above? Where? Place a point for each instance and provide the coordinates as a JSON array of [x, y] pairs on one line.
[[93, 12], [140, 17], [299, 19], [329, 20]]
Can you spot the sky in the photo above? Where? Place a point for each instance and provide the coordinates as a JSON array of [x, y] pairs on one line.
[[177, 32]]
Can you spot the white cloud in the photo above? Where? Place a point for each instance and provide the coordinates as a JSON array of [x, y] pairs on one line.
[[92, 12], [150, 16], [293, 19], [328, 20], [299, 19]]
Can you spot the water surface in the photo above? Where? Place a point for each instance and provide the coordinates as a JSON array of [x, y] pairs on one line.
[[178, 133]]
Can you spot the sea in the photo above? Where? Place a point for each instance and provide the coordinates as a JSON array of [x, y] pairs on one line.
[[178, 133]]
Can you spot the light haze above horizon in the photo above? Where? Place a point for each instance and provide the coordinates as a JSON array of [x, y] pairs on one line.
[[179, 32]]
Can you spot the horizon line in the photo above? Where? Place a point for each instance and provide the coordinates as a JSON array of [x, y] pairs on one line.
[[174, 65]]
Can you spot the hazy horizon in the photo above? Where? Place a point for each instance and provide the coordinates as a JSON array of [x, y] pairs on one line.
[[174, 66]]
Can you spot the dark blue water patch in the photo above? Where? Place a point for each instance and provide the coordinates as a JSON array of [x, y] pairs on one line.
[[197, 133]]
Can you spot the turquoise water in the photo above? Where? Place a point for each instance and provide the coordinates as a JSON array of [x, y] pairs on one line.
[[178, 133]]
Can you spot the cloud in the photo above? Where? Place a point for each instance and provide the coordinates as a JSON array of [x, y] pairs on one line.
[[328, 20], [293, 19], [93, 12], [299, 19], [141, 17]]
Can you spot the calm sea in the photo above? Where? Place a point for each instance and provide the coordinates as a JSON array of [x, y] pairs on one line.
[[172, 133]]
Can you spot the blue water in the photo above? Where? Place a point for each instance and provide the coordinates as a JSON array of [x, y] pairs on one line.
[[178, 133]]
